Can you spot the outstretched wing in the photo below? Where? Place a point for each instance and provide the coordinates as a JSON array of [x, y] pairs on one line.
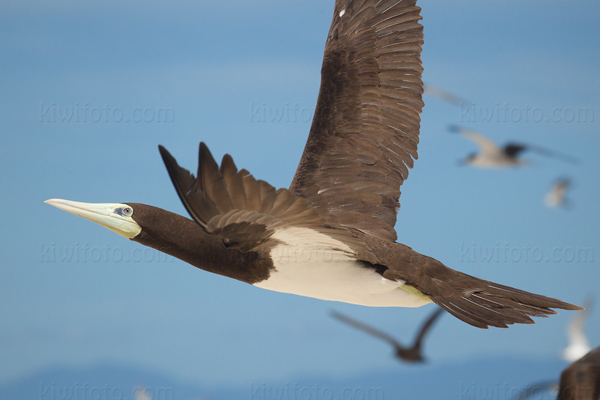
[[239, 208], [543, 151], [368, 329], [426, 327], [365, 131], [443, 95], [486, 146]]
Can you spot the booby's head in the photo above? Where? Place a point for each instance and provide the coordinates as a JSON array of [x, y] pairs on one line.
[[118, 218]]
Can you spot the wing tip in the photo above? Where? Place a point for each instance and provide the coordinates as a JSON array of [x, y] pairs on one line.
[[204, 152], [170, 162], [164, 153]]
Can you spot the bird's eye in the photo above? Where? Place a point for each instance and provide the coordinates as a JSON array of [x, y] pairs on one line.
[[127, 211]]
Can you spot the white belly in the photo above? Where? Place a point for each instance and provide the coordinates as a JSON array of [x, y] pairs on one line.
[[309, 263], [495, 161]]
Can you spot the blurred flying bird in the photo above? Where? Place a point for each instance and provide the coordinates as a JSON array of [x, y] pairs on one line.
[[141, 393], [330, 235], [578, 347], [443, 95], [409, 354], [581, 379], [556, 197], [578, 342], [493, 156]]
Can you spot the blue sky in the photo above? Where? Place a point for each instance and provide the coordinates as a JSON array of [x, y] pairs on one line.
[[76, 294]]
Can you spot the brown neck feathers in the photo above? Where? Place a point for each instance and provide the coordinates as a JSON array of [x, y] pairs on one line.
[[186, 240]]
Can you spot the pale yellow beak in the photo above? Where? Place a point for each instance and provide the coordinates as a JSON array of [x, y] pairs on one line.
[[114, 216]]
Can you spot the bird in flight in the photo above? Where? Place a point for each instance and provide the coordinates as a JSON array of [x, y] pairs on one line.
[[491, 155], [577, 348], [404, 353], [578, 341], [557, 196], [331, 234], [581, 379], [444, 95], [141, 393]]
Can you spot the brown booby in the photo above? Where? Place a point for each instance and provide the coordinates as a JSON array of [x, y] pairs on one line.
[[330, 235], [410, 354]]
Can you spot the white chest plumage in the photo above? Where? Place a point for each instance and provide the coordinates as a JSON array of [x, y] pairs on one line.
[[312, 264], [495, 159]]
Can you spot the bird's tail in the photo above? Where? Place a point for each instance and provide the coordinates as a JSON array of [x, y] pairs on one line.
[[476, 301], [491, 304]]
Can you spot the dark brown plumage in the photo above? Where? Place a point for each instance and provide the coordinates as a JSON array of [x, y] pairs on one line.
[[413, 353], [581, 379], [365, 131], [184, 239], [344, 196]]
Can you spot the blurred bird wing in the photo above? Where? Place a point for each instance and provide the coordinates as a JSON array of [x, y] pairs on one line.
[[486, 146], [427, 325], [444, 95], [575, 331], [553, 154], [368, 329], [243, 210]]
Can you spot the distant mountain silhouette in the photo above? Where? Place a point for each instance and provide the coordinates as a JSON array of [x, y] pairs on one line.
[[489, 378]]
